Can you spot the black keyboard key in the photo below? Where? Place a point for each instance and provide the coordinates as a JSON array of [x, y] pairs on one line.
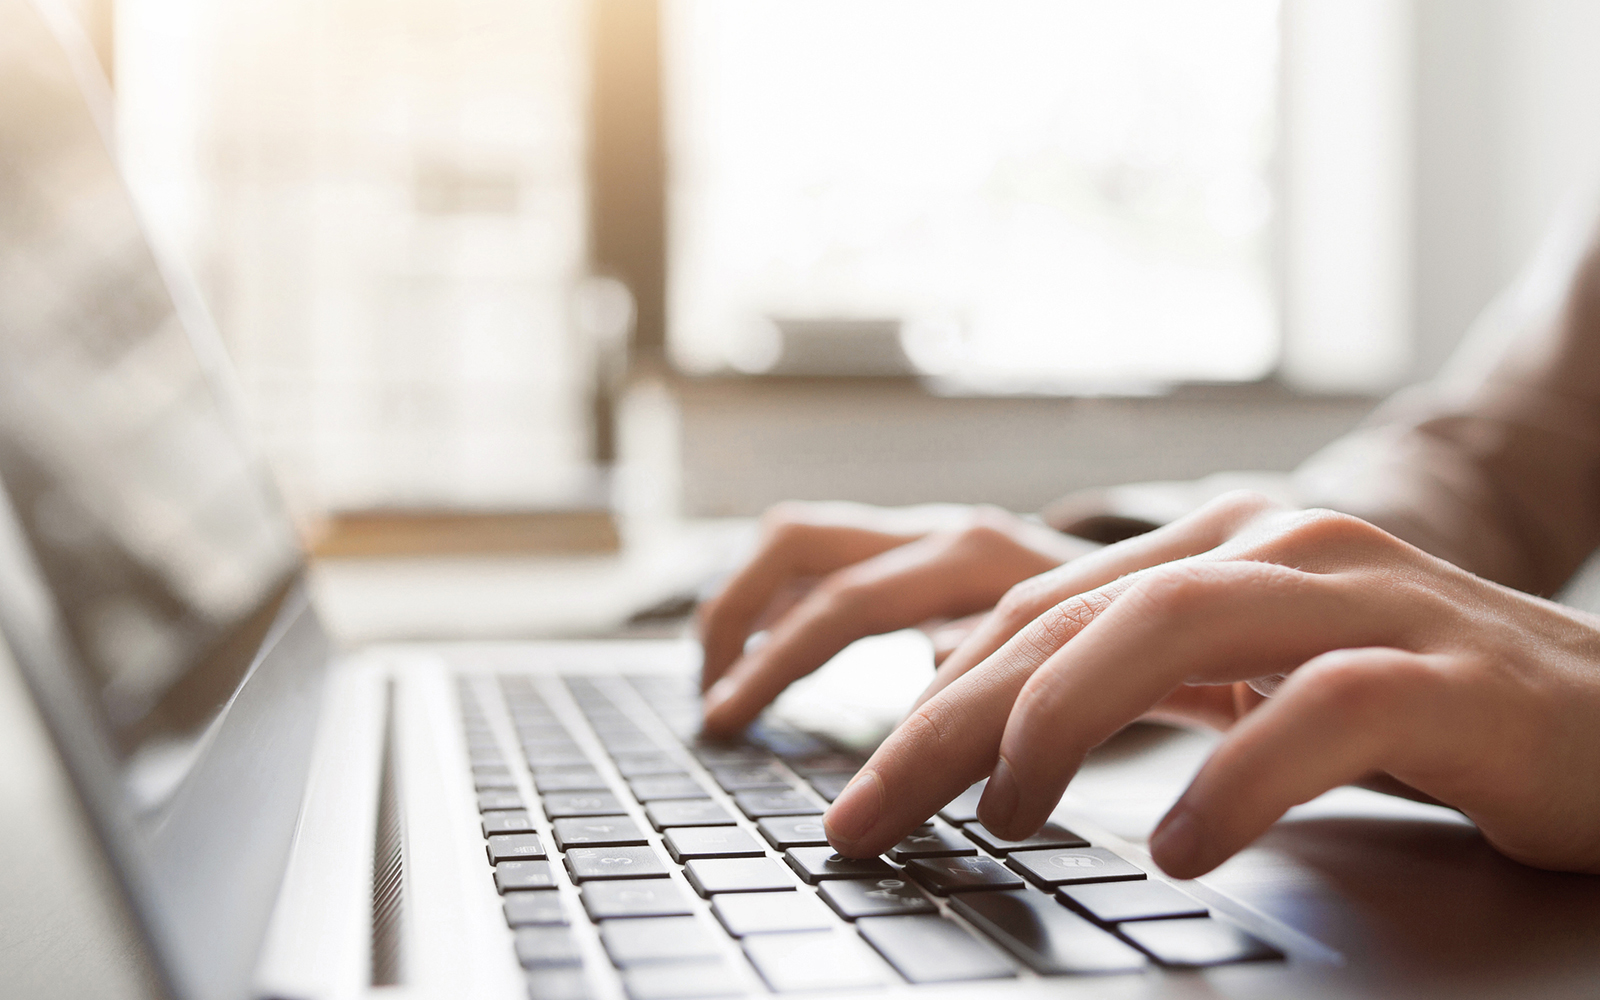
[[817, 864], [931, 949], [512, 846], [947, 875], [588, 863], [561, 804], [568, 779], [829, 785], [655, 939], [650, 897], [935, 840], [829, 960], [547, 947], [784, 832], [786, 802], [639, 765], [487, 779], [686, 842], [714, 755], [750, 777], [964, 807], [884, 897], [534, 909], [555, 757], [1050, 837], [827, 762], [512, 875], [784, 740], [496, 799], [687, 812], [682, 981], [1065, 867], [658, 787], [713, 875], [744, 913], [602, 831], [1049, 938], [1196, 941], [486, 757], [1146, 899], [512, 821], [558, 984]]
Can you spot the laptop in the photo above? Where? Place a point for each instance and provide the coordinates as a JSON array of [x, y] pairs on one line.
[[541, 819]]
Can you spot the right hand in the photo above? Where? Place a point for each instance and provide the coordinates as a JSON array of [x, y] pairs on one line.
[[825, 575]]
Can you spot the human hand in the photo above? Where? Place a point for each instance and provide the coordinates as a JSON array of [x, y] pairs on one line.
[[825, 575], [1378, 657]]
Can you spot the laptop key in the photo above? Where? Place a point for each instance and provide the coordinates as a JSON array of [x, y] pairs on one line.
[[602, 831], [1049, 938], [655, 787], [1080, 864], [682, 981], [828, 960], [964, 807], [1050, 837], [1196, 941], [588, 863], [784, 832], [935, 840], [787, 802], [687, 812], [1146, 899], [829, 785], [931, 949], [544, 947], [512, 875], [947, 875], [557, 984], [655, 897], [555, 758], [655, 939], [827, 762], [713, 755], [638, 765], [562, 804], [497, 799], [574, 779], [489, 779], [750, 777], [713, 875], [744, 913], [686, 842], [884, 897], [511, 846], [534, 909], [815, 864], [513, 821]]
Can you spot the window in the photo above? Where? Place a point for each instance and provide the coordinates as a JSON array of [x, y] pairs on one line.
[[1061, 192], [385, 204]]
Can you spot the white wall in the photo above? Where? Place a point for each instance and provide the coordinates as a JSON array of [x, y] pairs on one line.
[[1507, 118]]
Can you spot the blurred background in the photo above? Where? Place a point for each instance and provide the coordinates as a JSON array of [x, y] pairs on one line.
[[690, 257]]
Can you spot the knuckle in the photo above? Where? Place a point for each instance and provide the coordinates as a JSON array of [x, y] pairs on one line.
[[1023, 601], [1062, 621], [1239, 504], [1175, 590], [1355, 684], [1322, 530]]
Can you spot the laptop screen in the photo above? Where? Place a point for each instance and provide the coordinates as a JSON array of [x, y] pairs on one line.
[[164, 548]]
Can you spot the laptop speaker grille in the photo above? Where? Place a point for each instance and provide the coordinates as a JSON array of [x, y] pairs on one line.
[[388, 865]]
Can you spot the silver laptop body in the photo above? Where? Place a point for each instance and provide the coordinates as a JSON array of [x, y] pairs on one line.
[[283, 820]]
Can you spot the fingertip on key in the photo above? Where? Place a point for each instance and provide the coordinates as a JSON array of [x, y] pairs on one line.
[[855, 812]]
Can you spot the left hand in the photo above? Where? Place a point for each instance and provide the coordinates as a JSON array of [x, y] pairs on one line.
[[1378, 656]]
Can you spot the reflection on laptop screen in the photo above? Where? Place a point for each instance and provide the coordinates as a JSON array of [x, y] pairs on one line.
[[164, 548]]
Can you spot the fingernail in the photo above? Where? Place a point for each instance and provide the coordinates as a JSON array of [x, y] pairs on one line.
[[854, 812], [720, 692], [1176, 843], [999, 802]]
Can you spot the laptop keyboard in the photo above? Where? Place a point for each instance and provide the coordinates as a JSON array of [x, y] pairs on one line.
[[702, 871]]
